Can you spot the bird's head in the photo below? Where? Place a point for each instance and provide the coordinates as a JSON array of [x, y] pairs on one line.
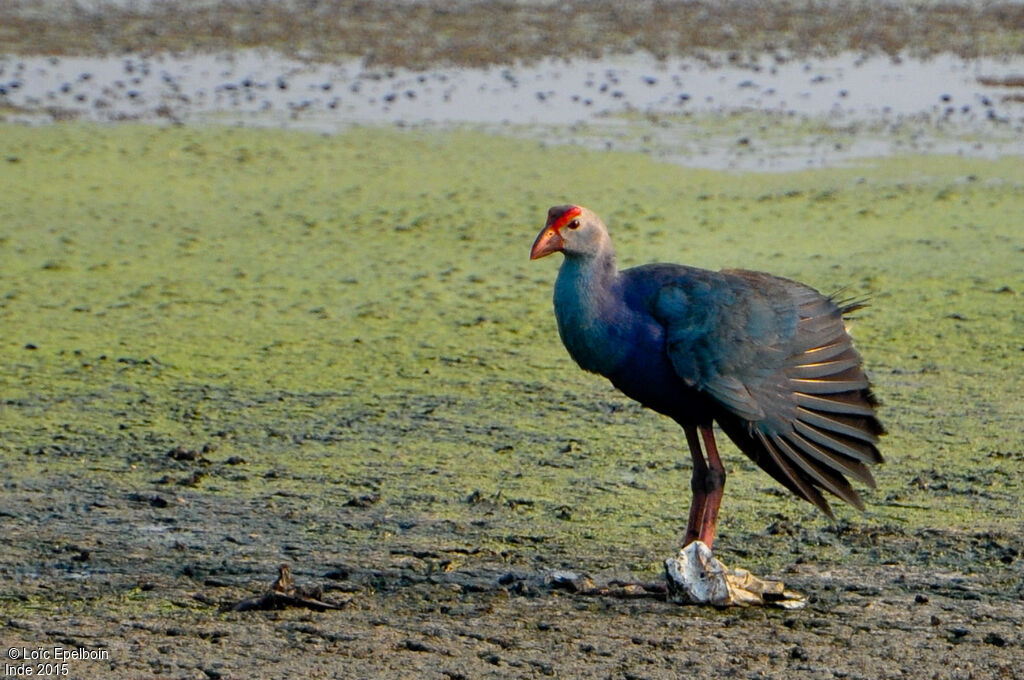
[[573, 230]]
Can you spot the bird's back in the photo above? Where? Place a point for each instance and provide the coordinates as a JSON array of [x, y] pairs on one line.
[[770, 360]]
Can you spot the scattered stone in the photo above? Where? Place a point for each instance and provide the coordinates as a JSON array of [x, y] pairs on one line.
[[995, 639], [416, 646], [570, 581], [958, 632], [153, 500], [363, 501]]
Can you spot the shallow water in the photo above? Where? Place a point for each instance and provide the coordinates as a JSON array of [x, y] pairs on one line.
[[672, 107]]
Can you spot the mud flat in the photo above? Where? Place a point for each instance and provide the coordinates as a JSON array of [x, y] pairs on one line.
[[266, 300], [761, 113], [228, 349]]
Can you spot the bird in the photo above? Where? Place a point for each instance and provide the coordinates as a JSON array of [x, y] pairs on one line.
[[767, 358]]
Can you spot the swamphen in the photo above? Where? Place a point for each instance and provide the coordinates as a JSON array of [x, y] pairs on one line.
[[767, 358]]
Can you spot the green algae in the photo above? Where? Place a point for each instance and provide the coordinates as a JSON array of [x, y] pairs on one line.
[[353, 320]]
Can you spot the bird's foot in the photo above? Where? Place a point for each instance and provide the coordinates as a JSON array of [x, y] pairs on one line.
[[695, 576]]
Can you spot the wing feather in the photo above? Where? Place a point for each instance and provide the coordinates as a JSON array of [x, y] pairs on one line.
[[776, 357]]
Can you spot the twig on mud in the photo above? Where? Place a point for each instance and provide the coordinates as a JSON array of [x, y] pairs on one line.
[[284, 593], [581, 584]]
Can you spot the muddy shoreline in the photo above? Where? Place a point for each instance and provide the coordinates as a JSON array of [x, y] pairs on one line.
[[205, 379], [216, 358], [468, 33], [760, 114]]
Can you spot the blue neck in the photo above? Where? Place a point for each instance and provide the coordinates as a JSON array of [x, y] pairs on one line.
[[589, 312]]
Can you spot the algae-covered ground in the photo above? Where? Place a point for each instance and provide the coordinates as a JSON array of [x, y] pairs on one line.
[[228, 349]]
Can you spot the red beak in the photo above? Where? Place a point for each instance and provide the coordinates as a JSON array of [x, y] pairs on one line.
[[548, 241]]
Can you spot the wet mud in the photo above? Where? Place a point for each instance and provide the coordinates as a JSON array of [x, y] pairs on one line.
[[227, 350], [469, 33]]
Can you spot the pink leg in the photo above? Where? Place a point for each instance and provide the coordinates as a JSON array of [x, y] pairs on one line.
[[714, 486], [697, 485]]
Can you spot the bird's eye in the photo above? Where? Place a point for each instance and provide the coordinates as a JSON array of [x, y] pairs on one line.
[[575, 224]]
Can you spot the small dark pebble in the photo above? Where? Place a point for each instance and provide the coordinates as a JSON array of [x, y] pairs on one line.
[[415, 646], [155, 501], [995, 639], [193, 479], [216, 583], [364, 501], [920, 598], [506, 579], [798, 653], [181, 453], [30, 346], [959, 632], [192, 571]]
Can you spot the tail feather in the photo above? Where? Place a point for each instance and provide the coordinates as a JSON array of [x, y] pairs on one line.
[[822, 369], [832, 459], [858, 451], [829, 435], [828, 479], [784, 472], [850, 404], [769, 459]]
